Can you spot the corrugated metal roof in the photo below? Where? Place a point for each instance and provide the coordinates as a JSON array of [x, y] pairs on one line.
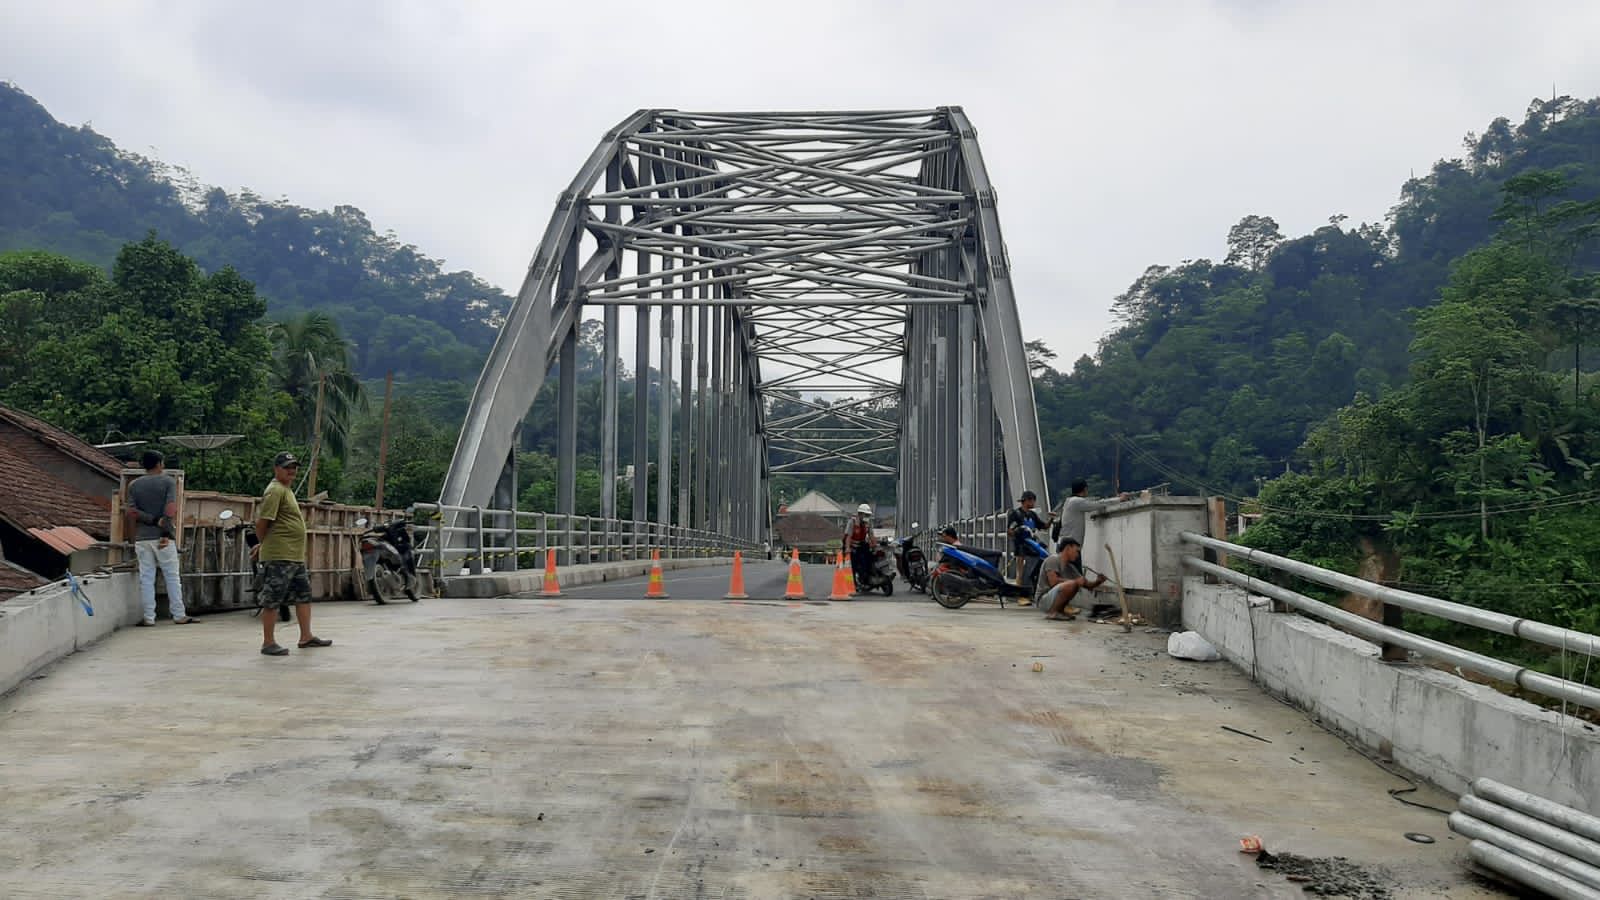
[[64, 539]]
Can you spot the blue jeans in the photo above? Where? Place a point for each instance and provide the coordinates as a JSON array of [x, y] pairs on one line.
[[152, 556]]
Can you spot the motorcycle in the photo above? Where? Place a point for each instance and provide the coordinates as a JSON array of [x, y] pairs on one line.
[[962, 574], [388, 560], [911, 561], [285, 615], [880, 575]]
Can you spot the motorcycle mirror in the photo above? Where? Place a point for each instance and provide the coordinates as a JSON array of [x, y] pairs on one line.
[[361, 522], [225, 515]]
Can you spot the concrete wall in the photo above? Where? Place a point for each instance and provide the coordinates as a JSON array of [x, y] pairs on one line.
[[1440, 726], [1143, 532], [41, 626]]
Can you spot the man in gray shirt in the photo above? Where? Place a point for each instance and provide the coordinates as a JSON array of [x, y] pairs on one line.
[[1075, 512], [152, 511], [1061, 578]]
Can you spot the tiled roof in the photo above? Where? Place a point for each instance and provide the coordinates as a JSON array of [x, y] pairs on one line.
[[31, 497], [62, 441], [14, 580]]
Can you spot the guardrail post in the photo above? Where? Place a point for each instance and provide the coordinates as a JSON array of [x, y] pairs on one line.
[[566, 542], [1394, 617], [513, 545], [475, 518]]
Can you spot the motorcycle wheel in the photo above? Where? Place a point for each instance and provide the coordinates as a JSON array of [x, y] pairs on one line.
[[888, 588], [386, 585], [943, 597]]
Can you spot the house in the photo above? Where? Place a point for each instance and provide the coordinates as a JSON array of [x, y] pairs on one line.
[[55, 499], [816, 503]]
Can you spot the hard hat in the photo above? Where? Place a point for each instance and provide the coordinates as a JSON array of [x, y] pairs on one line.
[[865, 508]]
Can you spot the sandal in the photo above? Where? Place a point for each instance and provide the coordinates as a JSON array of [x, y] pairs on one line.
[[275, 650], [191, 620], [316, 642]]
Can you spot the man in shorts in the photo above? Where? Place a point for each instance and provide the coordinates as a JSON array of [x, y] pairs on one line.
[[1060, 580], [282, 551]]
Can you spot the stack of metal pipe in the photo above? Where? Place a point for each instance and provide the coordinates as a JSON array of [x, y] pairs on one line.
[[1531, 840]]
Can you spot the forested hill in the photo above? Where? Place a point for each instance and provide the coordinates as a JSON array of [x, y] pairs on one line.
[[74, 192], [1219, 370]]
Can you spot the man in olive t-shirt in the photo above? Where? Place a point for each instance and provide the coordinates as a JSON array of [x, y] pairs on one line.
[[282, 551]]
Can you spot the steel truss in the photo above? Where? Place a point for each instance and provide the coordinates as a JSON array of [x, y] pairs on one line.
[[842, 301]]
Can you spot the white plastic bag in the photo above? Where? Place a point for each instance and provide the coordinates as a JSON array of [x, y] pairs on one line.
[[1190, 645]]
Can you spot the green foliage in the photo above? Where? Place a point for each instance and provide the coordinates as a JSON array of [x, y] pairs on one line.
[[74, 192], [311, 364], [158, 347]]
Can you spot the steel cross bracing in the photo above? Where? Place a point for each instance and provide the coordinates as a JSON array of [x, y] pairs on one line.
[[836, 291]]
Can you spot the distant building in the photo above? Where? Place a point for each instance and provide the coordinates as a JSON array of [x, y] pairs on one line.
[[55, 499], [817, 503]]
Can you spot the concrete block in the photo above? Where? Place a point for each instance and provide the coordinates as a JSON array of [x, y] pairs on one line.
[[42, 626], [1444, 728]]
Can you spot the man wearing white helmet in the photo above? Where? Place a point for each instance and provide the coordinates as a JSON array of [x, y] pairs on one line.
[[858, 542]]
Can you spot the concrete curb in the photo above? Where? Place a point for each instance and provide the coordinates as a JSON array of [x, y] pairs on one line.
[[1440, 726], [523, 581], [46, 624]]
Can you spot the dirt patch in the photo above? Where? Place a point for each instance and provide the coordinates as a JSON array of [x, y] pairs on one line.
[[1329, 876], [1061, 728]]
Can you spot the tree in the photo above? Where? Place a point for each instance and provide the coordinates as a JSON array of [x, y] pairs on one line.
[[311, 363], [1040, 358], [1251, 241]]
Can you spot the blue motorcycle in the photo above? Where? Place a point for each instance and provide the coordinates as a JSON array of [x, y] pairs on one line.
[[964, 573]]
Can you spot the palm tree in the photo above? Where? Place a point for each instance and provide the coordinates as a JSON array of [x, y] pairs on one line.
[[309, 353]]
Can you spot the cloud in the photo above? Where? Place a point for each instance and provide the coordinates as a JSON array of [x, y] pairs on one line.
[[1117, 135]]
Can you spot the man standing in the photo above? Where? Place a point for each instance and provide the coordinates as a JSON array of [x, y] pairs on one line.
[[152, 510], [858, 543], [1024, 516], [282, 550], [1060, 579], [1075, 512]]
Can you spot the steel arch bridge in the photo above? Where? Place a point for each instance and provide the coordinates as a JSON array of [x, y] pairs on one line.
[[842, 304]]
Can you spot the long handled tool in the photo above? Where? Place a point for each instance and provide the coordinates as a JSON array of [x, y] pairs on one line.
[[1116, 571]]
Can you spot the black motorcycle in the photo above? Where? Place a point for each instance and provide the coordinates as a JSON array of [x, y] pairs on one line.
[[389, 560], [911, 561]]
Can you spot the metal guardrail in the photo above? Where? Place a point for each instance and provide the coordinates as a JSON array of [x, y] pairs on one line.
[[453, 538], [1567, 639]]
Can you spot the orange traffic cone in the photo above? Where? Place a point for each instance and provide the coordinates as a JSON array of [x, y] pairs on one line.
[[657, 588], [797, 584], [552, 585], [842, 581], [736, 583]]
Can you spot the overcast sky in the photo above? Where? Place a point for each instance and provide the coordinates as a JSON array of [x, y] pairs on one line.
[[1118, 135]]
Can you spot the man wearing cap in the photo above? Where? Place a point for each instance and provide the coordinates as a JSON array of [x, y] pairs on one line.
[[1024, 516], [282, 550], [151, 510]]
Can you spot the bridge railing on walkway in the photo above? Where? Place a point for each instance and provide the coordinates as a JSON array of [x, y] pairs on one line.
[[1389, 634], [471, 539]]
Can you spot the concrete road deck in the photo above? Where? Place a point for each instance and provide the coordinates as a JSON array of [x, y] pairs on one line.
[[595, 746]]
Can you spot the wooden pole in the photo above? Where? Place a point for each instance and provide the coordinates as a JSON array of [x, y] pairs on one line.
[[383, 436], [316, 441]]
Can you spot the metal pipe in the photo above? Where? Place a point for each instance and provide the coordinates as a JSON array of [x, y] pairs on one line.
[[1522, 871], [1565, 817], [1578, 848], [1548, 685], [1527, 629], [1532, 851]]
